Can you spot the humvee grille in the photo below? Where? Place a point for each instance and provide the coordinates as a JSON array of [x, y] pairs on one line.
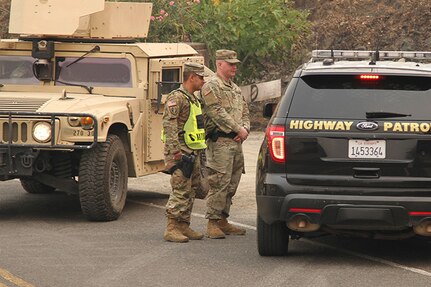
[[16, 130], [22, 105], [19, 134]]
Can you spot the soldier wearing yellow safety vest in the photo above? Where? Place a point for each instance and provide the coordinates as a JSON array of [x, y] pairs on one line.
[[184, 137]]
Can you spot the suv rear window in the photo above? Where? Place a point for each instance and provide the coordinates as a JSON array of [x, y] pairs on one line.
[[347, 96]]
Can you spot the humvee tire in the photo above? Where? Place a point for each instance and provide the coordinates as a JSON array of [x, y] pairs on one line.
[[103, 180], [272, 239], [35, 187]]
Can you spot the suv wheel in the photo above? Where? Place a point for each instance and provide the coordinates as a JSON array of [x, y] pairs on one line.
[[35, 187], [272, 239], [103, 180]]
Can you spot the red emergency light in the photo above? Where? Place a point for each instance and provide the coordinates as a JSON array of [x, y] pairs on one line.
[[369, 77]]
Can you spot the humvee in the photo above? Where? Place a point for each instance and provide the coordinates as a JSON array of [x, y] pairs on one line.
[[81, 100]]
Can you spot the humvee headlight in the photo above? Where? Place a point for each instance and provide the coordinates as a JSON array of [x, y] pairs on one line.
[[42, 132], [74, 121], [87, 123]]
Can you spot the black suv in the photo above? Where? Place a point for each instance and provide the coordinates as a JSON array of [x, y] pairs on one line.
[[348, 150]]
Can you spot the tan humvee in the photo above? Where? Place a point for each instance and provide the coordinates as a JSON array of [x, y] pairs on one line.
[[81, 101]]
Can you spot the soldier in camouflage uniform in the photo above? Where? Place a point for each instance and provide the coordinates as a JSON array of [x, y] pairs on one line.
[[227, 125], [184, 135]]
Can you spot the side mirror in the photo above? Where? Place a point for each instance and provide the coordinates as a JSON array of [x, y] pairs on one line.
[[269, 109]]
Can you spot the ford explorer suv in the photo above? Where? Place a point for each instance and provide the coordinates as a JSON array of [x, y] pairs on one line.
[[347, 150]]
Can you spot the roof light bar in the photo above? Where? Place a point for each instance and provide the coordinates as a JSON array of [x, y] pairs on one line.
[[352, 54]]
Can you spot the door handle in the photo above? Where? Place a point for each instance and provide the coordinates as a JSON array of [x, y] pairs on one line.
[[364, 172]]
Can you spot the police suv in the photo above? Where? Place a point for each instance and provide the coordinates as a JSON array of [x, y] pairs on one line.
[[348, 150]]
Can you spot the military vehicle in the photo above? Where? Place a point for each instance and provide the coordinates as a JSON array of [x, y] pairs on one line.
[[81, 100]]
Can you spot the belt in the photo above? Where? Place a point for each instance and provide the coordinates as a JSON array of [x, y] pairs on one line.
[[217, 134]]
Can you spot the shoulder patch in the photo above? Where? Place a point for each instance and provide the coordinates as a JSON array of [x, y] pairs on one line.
[[171, 103], [173, 110], [172, 106], [206, 90]]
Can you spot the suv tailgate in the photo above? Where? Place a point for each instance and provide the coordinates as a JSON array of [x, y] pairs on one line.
[[344, 131]]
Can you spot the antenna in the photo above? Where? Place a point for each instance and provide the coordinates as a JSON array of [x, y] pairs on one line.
[[375, 55]]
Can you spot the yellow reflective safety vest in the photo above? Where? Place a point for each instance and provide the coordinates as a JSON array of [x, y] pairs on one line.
[[194, 129]]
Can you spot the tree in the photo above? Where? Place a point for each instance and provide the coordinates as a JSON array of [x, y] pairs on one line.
[[261, 31]]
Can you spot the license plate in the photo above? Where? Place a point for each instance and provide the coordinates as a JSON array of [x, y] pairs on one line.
[[367, 149]]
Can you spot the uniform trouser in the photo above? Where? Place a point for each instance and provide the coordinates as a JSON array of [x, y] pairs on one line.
[[225, 162], [183, 193]]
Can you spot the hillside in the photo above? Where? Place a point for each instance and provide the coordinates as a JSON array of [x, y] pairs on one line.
[[4, 17], [351, 24], [366, 24], [358, 25]]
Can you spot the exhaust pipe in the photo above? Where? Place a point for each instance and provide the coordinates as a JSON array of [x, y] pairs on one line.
[[302, 223], [424, 228]]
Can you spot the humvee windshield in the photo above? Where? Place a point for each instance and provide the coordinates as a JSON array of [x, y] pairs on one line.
[[94, 72], [17, 70]]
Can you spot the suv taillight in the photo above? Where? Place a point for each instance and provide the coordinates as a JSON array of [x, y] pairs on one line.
[[275, 136]]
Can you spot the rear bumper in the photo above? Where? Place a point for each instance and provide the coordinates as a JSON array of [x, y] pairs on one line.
[[347, 211]]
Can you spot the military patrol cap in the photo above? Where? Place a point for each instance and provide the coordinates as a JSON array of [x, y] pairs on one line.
[[196, 68], [228, 56]]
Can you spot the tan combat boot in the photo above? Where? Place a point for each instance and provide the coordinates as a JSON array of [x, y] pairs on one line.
[[213, 230], [190, 233], [173, 232], [228, 228]]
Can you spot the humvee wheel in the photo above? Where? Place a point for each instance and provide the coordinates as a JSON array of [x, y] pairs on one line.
[[272, 239], [103, 180], [35, 187]]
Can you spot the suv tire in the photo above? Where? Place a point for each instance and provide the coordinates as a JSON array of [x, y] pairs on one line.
[[272, 239], [103, 180], [35, 187]]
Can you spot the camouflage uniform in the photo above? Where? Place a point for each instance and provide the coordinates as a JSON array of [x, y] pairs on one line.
[[182, 197], [225, 110]]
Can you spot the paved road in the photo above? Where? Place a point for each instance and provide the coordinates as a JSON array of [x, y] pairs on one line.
[[45, 241]]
